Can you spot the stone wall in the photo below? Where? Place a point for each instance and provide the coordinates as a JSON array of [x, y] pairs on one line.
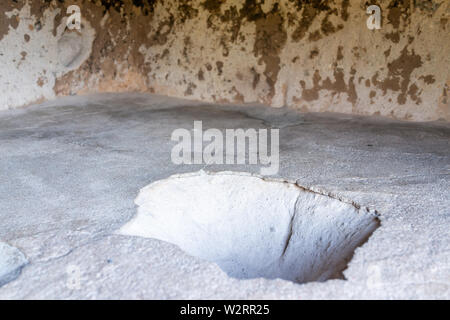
[[308, 55]]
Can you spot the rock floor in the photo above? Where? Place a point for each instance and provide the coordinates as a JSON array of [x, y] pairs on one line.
[[70, 170]]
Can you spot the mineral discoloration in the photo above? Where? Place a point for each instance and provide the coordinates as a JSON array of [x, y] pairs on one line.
[[12, 261], [399, 76], [270, 39], [310, 55], [335, 87]]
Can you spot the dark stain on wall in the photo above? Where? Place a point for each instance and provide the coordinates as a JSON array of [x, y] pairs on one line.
[[444, 23], [200, 75], [6, 22], [310, 10], [429, 6], [219, 65], [125, 31], [186, 11], [213, 6], [109, 46], [399, 16], [429, 79], [393, 36], [190, 89], [344, 13], [336, 87], [147, 6], [340, 56], [161, 34], [399, 76], [270, 34]]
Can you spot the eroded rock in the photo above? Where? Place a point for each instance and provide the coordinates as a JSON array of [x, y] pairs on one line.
[[12, 260], [253, 227]]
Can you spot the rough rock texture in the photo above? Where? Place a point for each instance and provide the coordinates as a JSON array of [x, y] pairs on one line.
[[311, 55], [75, 165], [11, 263], [253, 226]]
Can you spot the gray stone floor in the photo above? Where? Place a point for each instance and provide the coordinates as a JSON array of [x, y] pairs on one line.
[[70, 170]]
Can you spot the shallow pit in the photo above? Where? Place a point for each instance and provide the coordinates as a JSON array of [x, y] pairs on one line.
[[253, 227]]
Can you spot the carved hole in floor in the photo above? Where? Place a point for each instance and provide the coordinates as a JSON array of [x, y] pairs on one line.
[[253, 227]]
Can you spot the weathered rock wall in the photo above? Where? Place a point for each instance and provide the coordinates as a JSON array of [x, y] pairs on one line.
[[309, 55]]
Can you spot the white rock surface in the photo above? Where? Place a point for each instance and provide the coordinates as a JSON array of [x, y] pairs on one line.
[[253, 227], [11, 263], [74, 167]]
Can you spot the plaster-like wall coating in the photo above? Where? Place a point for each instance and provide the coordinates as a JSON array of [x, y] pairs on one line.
[[309, 55]]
